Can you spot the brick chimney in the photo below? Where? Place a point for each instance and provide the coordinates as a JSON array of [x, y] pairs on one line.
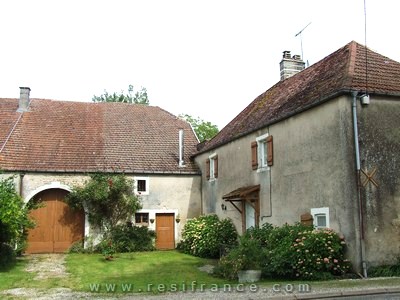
[[290, 65], [23, 105]]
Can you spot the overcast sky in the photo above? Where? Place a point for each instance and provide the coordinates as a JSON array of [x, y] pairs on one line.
[[209, 59]]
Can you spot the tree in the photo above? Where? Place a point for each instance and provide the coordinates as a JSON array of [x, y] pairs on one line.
[[108, 198], [203, 129], [14, 222], [139, 97]]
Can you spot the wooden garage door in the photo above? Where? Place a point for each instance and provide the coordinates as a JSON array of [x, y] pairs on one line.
[[165, 230], [57, 225]]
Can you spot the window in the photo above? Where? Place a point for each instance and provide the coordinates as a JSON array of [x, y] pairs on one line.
[[212, 167], [321, 217], [141, 185], [262, 152], [142, 219]]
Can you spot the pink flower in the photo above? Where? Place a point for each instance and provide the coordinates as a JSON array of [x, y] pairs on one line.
[[335, 261], [326, 260]]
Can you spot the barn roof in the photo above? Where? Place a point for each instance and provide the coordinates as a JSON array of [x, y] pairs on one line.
[[66, 136]]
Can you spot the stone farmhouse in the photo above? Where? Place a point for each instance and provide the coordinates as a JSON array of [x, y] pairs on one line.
[[322, 145], [52, 146]]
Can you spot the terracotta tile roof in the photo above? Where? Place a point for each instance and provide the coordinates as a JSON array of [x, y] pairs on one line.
[[338, 73], [64, 136]]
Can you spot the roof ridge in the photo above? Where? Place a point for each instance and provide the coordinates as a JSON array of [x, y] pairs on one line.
[[351, 64]]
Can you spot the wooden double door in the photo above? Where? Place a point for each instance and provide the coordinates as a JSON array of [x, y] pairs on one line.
[[57, 225]]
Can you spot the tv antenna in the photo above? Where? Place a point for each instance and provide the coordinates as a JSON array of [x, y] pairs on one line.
[[301, 39]]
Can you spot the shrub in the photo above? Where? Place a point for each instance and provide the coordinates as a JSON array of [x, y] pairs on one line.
[[14, 220], [121, 238], [128, 238], [206, 235], [291, 251], [109, 199], [248, 255], [7, 256]]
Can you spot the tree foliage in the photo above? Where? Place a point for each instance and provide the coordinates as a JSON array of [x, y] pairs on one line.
[[203, 129], [14, 221], [138, 97], [108, 198]]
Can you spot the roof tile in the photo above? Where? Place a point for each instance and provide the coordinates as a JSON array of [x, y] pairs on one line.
[[64, 136], [340, 72]]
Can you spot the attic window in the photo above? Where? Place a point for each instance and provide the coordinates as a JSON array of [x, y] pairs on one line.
[[141, 185]]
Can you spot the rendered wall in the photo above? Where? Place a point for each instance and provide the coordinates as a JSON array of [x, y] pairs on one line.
[[379, 131], [178, 194], [314, 167]]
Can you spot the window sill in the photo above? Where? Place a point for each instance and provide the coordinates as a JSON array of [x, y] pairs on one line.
[[263, 169]]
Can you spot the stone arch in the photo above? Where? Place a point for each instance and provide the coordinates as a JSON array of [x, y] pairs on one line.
[[52, 185], [65, 221]]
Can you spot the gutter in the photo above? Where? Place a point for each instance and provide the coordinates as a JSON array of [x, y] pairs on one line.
[[359, 199]]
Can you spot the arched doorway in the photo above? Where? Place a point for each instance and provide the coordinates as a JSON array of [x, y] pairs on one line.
[[57, 225]]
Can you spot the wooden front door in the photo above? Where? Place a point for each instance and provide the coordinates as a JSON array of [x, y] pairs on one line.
[[57, 225], [165, 231]]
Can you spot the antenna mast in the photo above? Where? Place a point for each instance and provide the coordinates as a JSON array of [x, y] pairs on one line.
[[301, 40]]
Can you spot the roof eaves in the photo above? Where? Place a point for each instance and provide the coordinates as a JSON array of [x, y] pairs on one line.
[[277, 120]]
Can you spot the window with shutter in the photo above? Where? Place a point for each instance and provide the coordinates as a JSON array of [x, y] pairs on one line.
[[216, 166], [264, 152], [212, 167], [270, 151], [254, 156], [208, 169]]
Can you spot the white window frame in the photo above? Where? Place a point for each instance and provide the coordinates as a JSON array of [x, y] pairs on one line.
[[320, 211], [142, 223], [262, 152], [212, 158], [146, 179]]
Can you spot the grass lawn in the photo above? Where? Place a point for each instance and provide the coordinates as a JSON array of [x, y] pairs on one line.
[[153, 272], [15, 277], [156, 271]]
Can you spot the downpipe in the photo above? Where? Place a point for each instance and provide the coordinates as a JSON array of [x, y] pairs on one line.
[[358, 168]]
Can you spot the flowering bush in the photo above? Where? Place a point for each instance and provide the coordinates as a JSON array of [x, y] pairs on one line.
[[303, 252], [205, 235], [319, 252], [292, 251]]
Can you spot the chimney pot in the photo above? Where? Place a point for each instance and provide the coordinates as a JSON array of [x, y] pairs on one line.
[[290, 65], [23, 104], [286, 54]]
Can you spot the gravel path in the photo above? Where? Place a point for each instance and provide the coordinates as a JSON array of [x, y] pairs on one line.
[[52, 266]]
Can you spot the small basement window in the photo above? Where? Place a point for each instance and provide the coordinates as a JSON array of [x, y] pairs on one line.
[[142, 219], [321, 217]]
